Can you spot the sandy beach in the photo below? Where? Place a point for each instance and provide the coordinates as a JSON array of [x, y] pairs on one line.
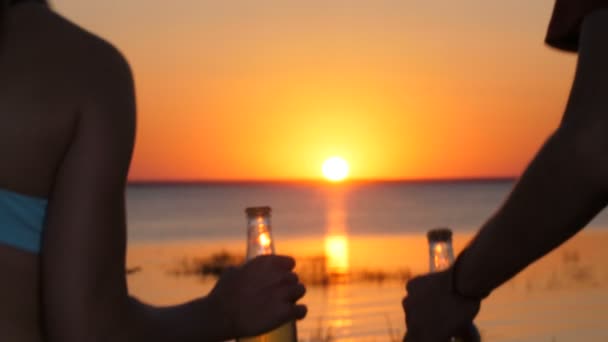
[[564, 297]]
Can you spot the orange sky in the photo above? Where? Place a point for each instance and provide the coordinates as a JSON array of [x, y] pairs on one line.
[[268, 89]]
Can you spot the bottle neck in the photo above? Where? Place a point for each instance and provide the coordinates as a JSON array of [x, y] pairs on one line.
[[441, 255], [259, 236]]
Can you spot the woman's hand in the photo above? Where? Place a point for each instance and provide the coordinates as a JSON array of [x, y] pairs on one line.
[[433, 312], [259, 295]]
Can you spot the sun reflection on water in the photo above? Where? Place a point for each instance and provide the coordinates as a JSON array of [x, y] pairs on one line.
[[336, 252], [336, 238]]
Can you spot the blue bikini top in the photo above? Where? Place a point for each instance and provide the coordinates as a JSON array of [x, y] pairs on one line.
[[22, 220]]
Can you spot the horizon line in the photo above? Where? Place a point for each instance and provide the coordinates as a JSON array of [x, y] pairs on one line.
[[493, 179]]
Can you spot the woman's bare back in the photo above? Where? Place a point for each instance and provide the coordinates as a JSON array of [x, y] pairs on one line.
[[48, 67]]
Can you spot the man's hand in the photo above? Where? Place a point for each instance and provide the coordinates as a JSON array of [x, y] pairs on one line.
[[433, 312], [259, 296]]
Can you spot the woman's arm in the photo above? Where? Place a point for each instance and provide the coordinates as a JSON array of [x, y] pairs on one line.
[[84, 244], [84, 289]]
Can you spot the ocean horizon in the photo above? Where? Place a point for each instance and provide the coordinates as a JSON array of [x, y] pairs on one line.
[[319, 181], [214, 210]]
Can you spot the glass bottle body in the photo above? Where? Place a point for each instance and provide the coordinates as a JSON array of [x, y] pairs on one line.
[[441, 257], [261, 242]]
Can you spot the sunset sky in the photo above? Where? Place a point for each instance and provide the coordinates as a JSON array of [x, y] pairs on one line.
[[269, 89]]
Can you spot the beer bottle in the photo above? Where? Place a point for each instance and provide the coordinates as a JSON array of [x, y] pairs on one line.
[[441, 257], [260, 242]]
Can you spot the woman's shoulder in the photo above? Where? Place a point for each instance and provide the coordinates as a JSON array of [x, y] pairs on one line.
[[47, 27], [96, 55], [70, 63], [65, 48], [89, 70]]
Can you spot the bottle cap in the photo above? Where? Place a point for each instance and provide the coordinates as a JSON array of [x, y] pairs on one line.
[[440, 235], [258, 211]]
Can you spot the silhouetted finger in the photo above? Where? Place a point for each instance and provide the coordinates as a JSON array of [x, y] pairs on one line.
[[411, 285], [299, 311], [290, 279], [291, 293], [404, 303], [275, 262], [280, 262], [298, 292], [284, 262], [290, 312]]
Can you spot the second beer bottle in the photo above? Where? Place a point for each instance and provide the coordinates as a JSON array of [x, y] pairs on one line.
[[260, 242], [441, 257]]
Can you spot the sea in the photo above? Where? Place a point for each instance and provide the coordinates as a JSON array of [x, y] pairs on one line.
[[216, 211], [374, 230]]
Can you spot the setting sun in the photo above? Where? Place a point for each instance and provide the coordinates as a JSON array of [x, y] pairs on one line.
[[335, 169]]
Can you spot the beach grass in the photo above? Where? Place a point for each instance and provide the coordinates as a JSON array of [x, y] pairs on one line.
[[311, 270]]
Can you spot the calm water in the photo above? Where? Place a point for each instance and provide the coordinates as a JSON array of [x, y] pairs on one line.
[[357, 226], [216, 211]]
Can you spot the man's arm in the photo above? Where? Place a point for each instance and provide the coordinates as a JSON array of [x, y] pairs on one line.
[[563, 188]]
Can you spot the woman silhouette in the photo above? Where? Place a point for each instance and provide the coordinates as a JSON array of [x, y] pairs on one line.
[[67, 108]]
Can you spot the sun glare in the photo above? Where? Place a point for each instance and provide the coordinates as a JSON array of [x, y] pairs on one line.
[[335, 169], [264, 240]]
